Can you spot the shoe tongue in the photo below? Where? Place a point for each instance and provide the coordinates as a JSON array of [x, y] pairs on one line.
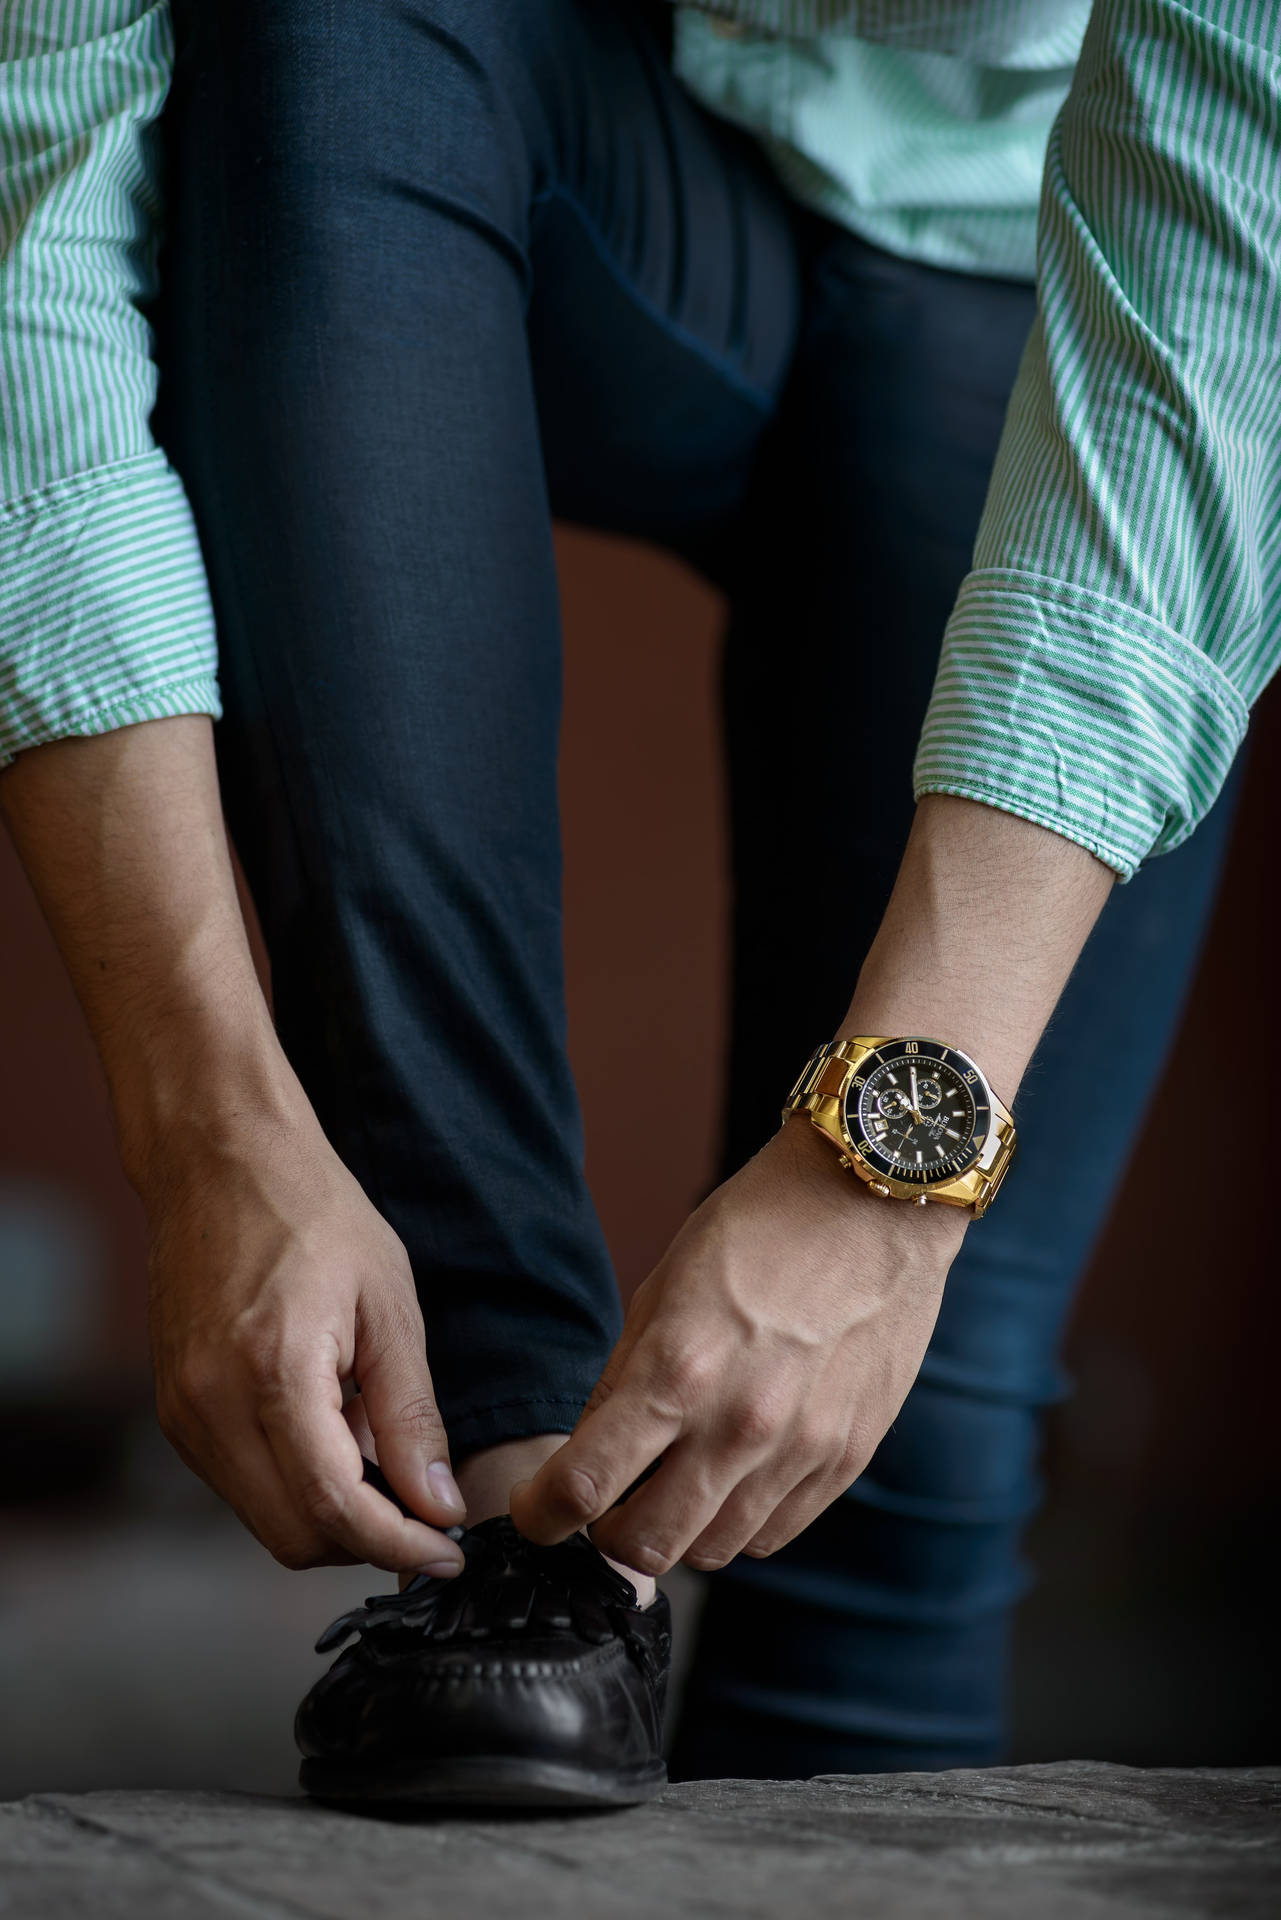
[[496, 1539], [574, 1561], [508, 1586], [501, 1527]]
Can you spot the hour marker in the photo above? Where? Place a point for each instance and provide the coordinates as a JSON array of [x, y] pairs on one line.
[[919, 1156], [952, 1134]]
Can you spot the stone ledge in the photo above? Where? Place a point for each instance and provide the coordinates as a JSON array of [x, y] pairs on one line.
[[1080, 1841]]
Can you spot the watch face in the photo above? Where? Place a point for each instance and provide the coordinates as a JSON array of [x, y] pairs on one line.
[[918, 1111]]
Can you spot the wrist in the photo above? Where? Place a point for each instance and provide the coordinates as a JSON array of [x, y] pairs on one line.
[[892, 1010], [211, 1090], [987, 918], [810, 1165]]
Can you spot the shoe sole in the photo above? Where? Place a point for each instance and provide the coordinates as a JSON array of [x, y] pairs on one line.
[[482, 1781]]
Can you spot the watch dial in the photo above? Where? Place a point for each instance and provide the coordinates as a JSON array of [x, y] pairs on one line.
[[918, 1111]]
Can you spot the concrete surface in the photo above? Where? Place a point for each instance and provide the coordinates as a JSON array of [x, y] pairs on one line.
[[1077, 1841]]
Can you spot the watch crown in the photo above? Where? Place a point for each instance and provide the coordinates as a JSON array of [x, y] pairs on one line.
[[879, 1186]]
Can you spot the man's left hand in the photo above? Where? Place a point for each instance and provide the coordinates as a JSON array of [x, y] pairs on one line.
[[761, 1362]]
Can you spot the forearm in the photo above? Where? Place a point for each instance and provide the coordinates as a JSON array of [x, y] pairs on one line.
[[987, 919], [123, 839], [767, 1354], [275, 1286]]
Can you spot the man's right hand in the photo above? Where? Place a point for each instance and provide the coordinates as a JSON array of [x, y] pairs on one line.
[[275, 1288]]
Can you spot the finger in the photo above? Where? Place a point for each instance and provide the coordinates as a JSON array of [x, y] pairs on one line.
[[751, 1512], [321, 1466], [610, 1447], [802, 1506], [404, 1421], [240, 1468], [652, 1530]]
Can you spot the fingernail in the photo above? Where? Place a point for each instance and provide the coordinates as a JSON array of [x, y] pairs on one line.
[[444, 1487], [441, 1569]]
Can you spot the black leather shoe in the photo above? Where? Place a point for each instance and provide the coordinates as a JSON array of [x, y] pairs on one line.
[[532, 1678]]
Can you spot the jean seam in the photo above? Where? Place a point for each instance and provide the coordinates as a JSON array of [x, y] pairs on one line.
[[526, 1400], [673, 328], [474, 1427]]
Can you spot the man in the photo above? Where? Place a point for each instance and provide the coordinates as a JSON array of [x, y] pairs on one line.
[[427, 267]]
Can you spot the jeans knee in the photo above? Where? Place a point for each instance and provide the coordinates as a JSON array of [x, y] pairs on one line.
[[958, 1459], [372, 85]]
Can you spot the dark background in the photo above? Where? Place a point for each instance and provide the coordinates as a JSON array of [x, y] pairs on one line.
[[144, 1639]]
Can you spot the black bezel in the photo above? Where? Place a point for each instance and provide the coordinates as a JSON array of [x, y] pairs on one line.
[[962, 1161]]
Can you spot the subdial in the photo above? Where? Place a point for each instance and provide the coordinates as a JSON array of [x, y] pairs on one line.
[[893, 1104], [929, 1095]]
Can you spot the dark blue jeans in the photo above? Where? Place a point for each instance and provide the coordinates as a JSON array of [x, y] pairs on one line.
[[440, 270]]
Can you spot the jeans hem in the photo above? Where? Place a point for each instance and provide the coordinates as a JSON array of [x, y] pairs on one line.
[[513, 1420]]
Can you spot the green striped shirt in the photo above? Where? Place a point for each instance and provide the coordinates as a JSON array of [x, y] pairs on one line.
[[104, 613], [1124, 611], [1125, 604], [922, 128]]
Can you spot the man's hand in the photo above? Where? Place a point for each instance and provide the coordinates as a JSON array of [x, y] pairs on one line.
[[769, 1351], [762, 1360], [275, 1289]]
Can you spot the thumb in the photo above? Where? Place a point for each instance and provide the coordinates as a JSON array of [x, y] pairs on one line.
[[400, 1405]]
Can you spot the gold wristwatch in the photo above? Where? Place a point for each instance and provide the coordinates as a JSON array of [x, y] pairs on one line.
[[915, 1119]]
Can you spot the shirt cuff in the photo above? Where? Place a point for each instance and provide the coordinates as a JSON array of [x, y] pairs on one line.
[[1080, 714], [105, 617]]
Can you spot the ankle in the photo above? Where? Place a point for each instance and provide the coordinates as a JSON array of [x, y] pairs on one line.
[[486, 1480]]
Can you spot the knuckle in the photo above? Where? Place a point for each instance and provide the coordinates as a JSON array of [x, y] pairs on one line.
[[663, 1351], [266, 1363], [783, 1526], [750, 1422], [297, 1553], [707, 1559], [413, 1416], [683, 1374], [849, 1457], [696, 1368], [322, 1501], [646, 1556], [195, 1382], [578, 1493]]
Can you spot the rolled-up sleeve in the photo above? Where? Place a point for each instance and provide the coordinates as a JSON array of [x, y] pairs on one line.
[[104, 611], [1124, 609]]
